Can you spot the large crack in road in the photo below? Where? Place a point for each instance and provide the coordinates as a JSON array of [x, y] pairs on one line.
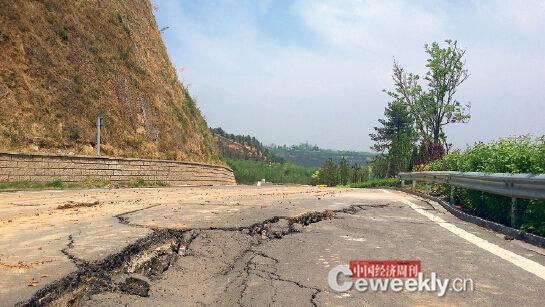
[[172, 249], [131, 270]]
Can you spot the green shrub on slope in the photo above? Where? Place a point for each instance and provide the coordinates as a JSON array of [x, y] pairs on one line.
[[511, 155]]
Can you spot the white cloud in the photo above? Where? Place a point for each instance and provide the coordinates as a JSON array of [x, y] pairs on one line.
[[524, 16], [371, 24]]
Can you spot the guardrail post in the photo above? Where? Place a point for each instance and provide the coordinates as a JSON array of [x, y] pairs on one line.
[[402, 183], [414, 185], [428, 188], [517, 210], [452, 195]]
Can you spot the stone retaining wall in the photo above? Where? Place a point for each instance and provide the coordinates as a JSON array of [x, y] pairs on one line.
[[17, 167]]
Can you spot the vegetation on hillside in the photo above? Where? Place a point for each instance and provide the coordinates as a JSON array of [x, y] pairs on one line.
[[249, 172], [312, 156], [252, 162], [90, 59], [332, 174], [243, 147], [511, 155], [250, 166], [375, 183]]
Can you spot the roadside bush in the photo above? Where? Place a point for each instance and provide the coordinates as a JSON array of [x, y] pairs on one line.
[[14, 135], [135, 142], [74, 133], [249, 172], [374, 183], [511, 155]]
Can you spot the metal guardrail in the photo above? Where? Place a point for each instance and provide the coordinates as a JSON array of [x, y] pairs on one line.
[[527, 186], [516, 186]]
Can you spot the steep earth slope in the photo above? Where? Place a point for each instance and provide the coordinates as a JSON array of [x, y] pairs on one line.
[[65, 62], [243, 147]]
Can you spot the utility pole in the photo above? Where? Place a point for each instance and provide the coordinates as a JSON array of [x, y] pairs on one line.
[[100, 124]]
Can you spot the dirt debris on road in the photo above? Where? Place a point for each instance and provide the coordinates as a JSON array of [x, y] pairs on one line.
[[192, 246], [56, 241], [73, 204]]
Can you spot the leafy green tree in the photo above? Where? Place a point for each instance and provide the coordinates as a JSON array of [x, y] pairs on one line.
[[359, 173], [434, 107], [329, 174], [395, 138], [355, 173], [379, 167], [344, 171], [315, 177]]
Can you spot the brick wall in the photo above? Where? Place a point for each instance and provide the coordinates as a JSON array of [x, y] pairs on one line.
[[15, 167]]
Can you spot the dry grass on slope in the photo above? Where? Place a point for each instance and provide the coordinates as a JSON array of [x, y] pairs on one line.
[[64, 62]]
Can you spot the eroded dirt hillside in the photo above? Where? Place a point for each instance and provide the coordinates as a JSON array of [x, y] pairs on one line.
[[64, 62]]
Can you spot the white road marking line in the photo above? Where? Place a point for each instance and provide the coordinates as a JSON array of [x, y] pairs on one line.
[[386, 191], [523, 263]]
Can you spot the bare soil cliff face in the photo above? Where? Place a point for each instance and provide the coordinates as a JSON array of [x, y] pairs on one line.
[[237, 150], [65, 62]]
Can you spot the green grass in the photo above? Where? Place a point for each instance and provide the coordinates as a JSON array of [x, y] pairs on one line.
[[140, 183], [60, 185], [49, 7], [63, 33], [27, 185], [249, 172], [374, 183]]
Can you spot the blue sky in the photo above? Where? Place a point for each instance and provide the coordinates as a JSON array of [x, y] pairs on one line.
[[313, 70]]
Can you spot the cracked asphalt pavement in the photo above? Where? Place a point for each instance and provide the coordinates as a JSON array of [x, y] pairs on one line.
[[244, 246]]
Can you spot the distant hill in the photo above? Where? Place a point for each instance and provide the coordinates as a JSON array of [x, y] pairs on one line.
[[313, 156], [243, 147], [246, 147]]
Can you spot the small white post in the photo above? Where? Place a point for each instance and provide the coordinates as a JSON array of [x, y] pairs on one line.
[[100, 124]]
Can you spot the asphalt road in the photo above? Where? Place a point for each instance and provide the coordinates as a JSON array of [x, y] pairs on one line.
[[249, 246]]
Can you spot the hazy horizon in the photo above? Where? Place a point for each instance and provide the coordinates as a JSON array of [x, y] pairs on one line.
[[290, 72]]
